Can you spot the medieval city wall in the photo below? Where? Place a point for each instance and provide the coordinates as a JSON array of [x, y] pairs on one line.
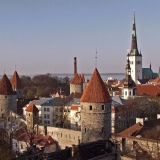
[[64, 137]]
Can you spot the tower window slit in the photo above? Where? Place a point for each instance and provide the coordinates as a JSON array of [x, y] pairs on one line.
[[90, 107]]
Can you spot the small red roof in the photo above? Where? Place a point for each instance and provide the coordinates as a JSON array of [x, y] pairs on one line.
[[96, 91], [32, 108], [38, 139], [74, 108], [5, 86], [76, 79], [16, 81]]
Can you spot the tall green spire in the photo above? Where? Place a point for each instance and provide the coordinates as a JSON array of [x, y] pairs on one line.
[[134, 48]]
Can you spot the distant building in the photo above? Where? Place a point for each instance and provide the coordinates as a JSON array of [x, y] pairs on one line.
[[138, 73], [23, 142], [78, 83], [7, 97], [17, 85]]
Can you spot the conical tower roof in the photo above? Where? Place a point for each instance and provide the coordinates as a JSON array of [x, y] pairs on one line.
[[16, 81], [76, 79], [5, 86], [32, 108], [134, 47], [96, 91]]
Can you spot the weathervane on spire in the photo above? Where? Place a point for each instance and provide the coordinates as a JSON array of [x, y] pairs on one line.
[[96, 59]]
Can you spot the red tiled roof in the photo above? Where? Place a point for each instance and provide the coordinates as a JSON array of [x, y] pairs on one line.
[[16, 82], [96, 92], [32, 108], [76, 79], [131, 130], [5, 86], [148, 89], [74, 108], [37, 139], [157, 80]]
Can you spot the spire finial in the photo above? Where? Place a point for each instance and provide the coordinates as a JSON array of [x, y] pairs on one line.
[[96, 59], [134, 16], [4, 71], [15, 67], [150, 66]]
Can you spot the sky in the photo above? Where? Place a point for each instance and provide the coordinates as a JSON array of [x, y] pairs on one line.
[[43, 36]]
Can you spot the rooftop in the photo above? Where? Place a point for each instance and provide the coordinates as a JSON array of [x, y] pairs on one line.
[[32, 108], [6, 86], [16, 81], [96, 91]]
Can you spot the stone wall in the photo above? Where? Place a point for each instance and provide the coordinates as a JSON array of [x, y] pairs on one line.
[[64, 137], [76, 88], [141, 148], [19, 93], [95, 121], [7, 103]]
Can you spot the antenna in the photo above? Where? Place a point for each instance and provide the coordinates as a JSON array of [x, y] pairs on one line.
[[96, 59]]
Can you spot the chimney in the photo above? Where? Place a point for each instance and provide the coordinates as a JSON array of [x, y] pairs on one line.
[[158, 116], [140, 120], [75, 65]]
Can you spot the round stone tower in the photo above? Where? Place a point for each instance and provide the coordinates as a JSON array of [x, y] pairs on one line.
[[76, 85], [7, 97], [32, 117], [95, 110], [17, 85]]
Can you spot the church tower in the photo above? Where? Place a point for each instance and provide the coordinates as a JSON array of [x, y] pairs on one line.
[[95, 110], [76, 84], [17, 85], [32, 117], [7, 97], [129, 88], [135, 57]]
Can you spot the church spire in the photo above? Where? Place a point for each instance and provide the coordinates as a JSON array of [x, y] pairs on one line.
[[134, 47]]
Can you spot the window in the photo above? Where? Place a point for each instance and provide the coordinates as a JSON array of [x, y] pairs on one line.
[[48, 116], [21, 146], [48, 122], [131, 62], [102, 107], [126, 93], [138, 62], [130, 93], [44, 115], [85, 130], [48, 109], [44, 109], [90, 107]]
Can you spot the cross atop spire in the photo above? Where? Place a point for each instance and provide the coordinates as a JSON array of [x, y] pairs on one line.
[[134, 47]]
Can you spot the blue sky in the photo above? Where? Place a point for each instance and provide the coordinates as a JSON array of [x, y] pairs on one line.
[[43, 36]]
